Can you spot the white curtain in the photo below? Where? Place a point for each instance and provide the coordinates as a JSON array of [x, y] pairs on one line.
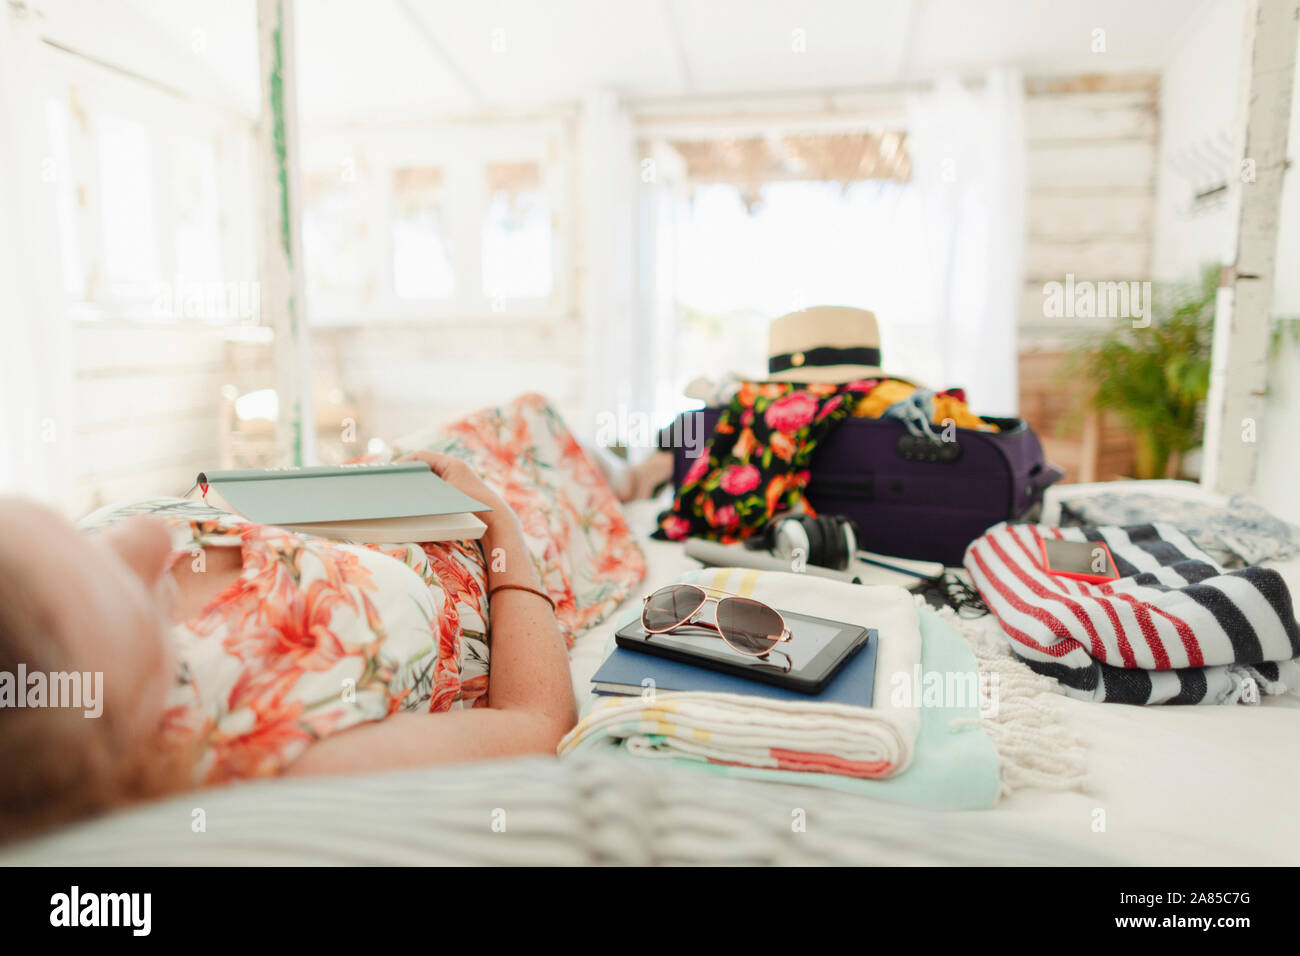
[[968, 159], [617, 371]]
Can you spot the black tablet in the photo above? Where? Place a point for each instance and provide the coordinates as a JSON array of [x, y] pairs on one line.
[[817, 649]]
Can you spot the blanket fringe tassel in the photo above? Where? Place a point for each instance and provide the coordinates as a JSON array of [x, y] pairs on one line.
[[1035, 748]]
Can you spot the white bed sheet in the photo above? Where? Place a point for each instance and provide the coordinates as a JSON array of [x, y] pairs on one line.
[[1167, 785]]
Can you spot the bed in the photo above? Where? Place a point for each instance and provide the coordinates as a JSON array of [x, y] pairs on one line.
[[1165, 786]]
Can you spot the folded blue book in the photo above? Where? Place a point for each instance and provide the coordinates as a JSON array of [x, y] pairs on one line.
[[625, 673]]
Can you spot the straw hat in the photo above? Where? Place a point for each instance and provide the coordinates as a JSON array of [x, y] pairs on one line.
[[825, 343]]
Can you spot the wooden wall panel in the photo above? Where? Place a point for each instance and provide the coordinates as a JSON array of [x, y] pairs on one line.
[[147, 408], [1090, 210]]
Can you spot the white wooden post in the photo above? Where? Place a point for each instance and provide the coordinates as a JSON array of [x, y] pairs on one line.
[[283, 290], [609, 190], [1243, 318]]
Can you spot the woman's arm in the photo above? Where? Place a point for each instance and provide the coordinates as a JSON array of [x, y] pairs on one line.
[[530, 696]]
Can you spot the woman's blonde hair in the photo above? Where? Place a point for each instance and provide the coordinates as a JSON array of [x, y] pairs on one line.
[[59, 765]]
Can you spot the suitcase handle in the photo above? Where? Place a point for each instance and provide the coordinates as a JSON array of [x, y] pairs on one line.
[[1043, 475], [919, 448]]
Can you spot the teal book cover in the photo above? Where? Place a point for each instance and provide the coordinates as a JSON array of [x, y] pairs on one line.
[[288, 496]]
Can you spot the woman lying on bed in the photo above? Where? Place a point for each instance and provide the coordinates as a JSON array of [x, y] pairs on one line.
[[232, 650]]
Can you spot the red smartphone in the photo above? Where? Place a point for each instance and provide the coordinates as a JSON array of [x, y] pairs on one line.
[[1089, 561]]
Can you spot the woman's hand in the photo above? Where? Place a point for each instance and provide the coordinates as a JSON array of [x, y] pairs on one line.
[[503, 541], [461, 477]]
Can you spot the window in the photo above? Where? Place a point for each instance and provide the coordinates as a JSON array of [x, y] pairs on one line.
[[58, 169], [333, 234], [750, 228], [132, 263], [422, 267], [151, 197], [800, 244], [516, 236], [413, 228], [196, 222]]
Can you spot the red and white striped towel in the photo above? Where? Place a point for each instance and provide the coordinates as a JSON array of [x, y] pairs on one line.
[[1173, 628]]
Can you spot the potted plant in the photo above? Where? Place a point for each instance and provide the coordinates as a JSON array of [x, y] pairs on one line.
[[1155, 378]]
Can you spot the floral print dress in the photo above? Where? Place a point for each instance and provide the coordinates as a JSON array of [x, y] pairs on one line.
[[316, 636]]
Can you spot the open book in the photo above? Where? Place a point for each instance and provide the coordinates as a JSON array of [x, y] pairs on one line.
[[369, 504]]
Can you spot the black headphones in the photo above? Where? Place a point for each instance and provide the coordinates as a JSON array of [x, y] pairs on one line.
[[829, 541]]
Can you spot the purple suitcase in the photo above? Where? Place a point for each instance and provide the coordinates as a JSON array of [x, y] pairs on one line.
[[913, 497]]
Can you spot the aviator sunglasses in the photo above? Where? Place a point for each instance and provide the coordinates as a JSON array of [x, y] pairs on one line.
[[746, 625]]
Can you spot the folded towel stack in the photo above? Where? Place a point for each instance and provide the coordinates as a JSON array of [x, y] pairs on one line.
[[760, 732]]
